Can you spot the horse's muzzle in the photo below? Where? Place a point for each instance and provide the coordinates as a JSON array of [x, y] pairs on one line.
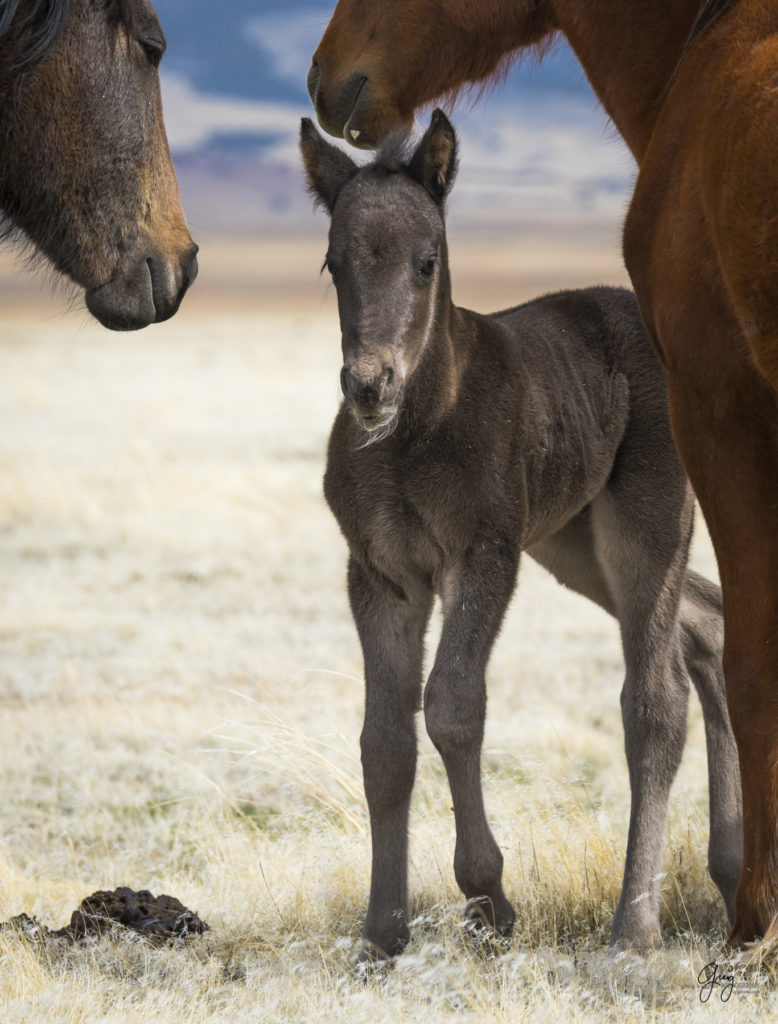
[[339, 113], [150, 293]]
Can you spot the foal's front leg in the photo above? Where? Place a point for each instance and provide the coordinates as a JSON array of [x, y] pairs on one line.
[[391, 625], [475, 600]]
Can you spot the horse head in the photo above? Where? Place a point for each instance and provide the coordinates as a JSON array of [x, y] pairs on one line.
[[85, 168], [377, 62]]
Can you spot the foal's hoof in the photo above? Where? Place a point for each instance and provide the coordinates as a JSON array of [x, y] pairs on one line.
[[373, 963], [640, 940], [489, 932]]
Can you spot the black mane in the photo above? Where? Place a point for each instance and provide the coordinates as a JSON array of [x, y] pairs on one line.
[[29, 29]]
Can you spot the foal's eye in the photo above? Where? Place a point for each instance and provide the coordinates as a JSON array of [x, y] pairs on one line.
[[328, 265], [427, 268], [153, 48]]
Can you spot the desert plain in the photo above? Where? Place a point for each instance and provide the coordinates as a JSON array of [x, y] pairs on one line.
[[181, 687]]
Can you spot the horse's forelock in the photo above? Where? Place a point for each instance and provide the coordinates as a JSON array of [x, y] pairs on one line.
[[30, 28], [127, 13]]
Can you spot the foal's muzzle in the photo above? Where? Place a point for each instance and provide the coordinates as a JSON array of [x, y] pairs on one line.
[[373, 400]]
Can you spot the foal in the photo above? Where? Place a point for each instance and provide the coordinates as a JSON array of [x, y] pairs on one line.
[[463, 440]]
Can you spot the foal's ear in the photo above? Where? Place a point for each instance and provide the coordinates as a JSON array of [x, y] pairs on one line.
[[434, 164], [327, 168]]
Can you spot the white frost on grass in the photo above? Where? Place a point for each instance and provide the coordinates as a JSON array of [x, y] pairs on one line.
[[182, 702]]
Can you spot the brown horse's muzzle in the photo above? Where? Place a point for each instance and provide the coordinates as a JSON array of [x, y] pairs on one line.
[[149, 293], [351, 109]]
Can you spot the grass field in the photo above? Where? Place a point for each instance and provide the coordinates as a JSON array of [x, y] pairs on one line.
[[181, 693]]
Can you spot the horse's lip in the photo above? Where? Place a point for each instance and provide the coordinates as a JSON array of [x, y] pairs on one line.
[[376, 420], [148, 292], [124, 303]]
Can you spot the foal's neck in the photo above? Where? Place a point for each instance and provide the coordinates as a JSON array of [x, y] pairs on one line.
[[629, 50], [436, 385]]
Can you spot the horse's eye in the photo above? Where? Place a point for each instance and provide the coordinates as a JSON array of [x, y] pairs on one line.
[[331, 267], [154, 48], [427, 268]]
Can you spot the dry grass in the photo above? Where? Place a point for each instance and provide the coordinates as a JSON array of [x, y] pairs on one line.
[[181, 691]]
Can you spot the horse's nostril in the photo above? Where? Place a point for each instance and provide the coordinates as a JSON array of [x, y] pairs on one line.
[[190, 267], [314, 77], [388, 376]]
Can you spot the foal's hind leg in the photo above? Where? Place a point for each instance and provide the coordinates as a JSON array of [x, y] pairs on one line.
[[391, 626], [702, 629], [643, 555], [569, 555]]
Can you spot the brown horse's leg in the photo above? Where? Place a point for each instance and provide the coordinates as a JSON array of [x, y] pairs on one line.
[[455, 711], [726, 426], [391, 627]]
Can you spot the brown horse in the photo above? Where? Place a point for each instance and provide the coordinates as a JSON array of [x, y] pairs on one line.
[[85, 169], [692, 89]]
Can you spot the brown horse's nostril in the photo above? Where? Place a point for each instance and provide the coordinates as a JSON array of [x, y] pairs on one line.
[[314, 77]]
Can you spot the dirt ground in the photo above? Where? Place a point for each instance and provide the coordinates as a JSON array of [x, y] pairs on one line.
[[181, 687]]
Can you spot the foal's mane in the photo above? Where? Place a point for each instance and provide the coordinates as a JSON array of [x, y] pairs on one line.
[[394, 154], [29, 29]]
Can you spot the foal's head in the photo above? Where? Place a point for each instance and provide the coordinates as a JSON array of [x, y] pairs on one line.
[[387, 258]]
